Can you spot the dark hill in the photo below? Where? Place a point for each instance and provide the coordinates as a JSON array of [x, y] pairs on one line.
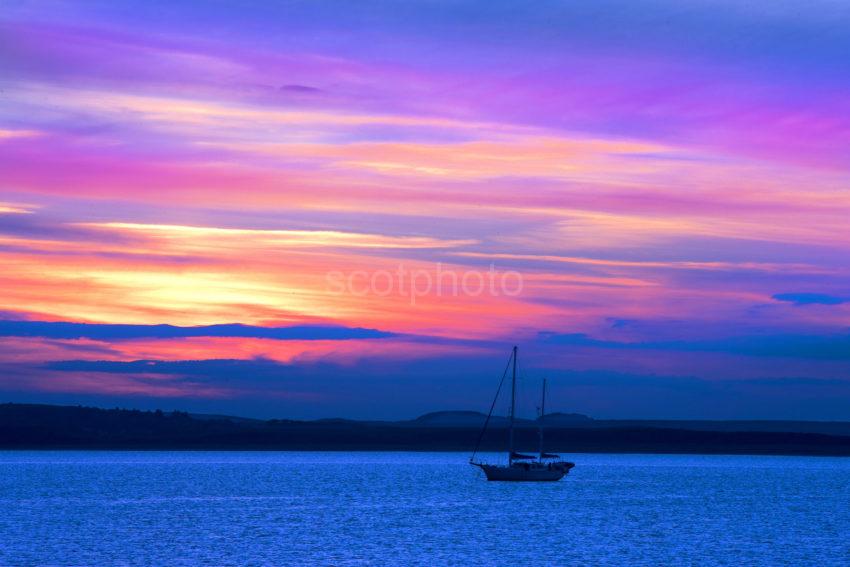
[[476, 419], [74, 427], [455, 419], [566, 419]]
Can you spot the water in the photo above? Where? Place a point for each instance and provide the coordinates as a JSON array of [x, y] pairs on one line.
[[237, 508]]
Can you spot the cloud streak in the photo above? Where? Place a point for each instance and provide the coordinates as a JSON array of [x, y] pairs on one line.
[[65, 330], [811, 298]]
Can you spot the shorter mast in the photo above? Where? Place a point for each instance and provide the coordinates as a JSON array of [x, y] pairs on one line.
[[513, 412], [542, 416]]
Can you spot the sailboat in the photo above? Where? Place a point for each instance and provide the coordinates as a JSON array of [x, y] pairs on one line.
[[520, 467]]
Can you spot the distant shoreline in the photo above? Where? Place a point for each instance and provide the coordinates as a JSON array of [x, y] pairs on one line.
[[45, 449], [45, 427]]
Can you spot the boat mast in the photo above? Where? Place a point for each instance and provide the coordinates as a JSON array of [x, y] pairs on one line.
[[542, 416], [513, 411], [492, 407]]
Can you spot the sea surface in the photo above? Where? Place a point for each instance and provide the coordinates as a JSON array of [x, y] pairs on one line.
[[261, 508]]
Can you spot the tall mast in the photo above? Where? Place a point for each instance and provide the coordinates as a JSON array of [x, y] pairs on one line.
[[513, 411], [542, 417]]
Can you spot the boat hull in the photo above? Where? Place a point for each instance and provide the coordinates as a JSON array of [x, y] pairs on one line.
[[522, 473]]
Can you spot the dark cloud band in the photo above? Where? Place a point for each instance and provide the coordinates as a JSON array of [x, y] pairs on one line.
[[67, 330]]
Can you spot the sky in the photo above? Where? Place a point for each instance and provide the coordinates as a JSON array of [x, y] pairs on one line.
[[319, 209]]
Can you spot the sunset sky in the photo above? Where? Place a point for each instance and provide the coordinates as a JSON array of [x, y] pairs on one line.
[[183, 184]]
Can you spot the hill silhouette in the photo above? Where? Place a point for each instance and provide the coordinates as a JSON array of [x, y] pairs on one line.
[[73, 427], [476, 419]]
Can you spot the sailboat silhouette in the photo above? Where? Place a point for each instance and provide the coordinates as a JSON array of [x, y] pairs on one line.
[[521, 467]]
